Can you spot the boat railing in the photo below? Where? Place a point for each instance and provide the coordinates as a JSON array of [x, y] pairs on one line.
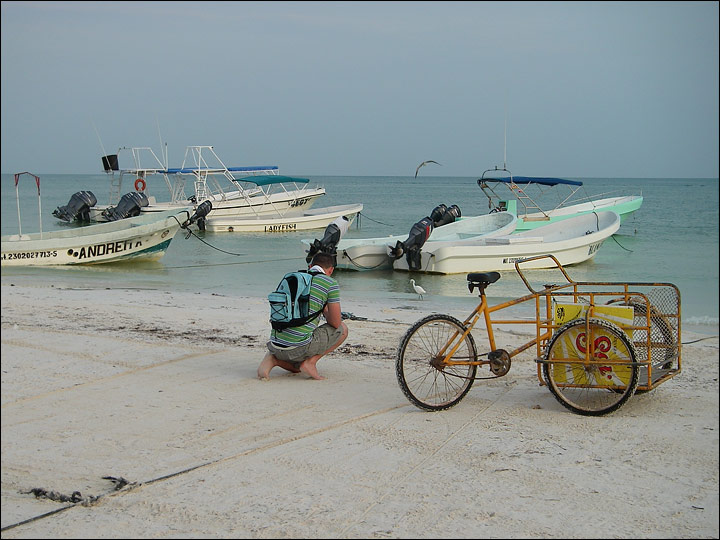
[[177, 190], [17, 198], [203, 163], [527, 202], [615, 193], [139, 171], [531, 195], [211, 178], [522, 196]]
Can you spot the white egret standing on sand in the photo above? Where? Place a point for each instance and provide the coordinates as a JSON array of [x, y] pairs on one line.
[[425, 163], [418, 289]]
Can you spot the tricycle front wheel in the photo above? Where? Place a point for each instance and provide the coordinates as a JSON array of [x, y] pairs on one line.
[[424, 380]]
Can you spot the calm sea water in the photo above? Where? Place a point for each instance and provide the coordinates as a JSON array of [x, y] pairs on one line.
[[672, 238]]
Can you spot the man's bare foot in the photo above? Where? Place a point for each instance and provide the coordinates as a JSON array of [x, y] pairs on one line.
[[309, 368], [269, 362]]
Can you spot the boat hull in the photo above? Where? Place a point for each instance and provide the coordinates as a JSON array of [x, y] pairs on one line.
[[368, 256], [317, 218], [374, 253], [237, 205], [570, 241], [142, 237]]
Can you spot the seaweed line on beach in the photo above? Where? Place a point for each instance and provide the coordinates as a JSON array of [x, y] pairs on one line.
[[197, 336]]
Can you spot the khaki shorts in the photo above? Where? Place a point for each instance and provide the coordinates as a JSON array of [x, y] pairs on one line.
[[324, 337]]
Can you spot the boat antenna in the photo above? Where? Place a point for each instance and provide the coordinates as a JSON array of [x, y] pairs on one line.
[[163, 147], [99, 139], [505, 142]]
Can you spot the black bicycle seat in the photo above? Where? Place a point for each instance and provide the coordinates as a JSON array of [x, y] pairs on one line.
[[481, 279]]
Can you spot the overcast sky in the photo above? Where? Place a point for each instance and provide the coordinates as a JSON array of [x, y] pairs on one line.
[[588, 89]]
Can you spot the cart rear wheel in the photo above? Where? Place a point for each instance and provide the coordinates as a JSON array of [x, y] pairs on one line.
[[662, 337], [424, 381], [661, 343], [591, 388]]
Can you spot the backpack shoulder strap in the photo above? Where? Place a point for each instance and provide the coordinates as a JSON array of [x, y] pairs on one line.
[[311, 316]]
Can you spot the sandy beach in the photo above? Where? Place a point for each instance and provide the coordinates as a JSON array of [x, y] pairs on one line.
[[131, 413]]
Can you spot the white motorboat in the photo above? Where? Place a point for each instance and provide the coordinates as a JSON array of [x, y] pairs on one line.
[[143, 237], [377, 253], [289, 221], [235, 192], [527, 197], [571, 241]]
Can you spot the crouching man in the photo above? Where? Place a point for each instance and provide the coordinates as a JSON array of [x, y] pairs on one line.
[[298, 349]]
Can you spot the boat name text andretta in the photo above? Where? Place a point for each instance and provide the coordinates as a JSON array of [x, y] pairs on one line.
[[99, 250]]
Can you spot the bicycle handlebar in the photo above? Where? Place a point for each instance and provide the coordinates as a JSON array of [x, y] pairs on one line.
[[536, 257]]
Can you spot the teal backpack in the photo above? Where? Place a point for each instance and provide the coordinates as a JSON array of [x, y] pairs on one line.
[[290, 302]]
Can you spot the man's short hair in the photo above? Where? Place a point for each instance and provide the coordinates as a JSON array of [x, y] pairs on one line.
[[326, 260]]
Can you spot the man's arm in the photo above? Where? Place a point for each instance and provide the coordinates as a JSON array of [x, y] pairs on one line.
[[333, 314]]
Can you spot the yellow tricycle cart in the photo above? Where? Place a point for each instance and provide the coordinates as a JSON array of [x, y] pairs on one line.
[[597, 343]]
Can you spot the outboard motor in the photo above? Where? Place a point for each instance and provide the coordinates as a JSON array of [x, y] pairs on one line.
[[437, 213], [449, 216], [333, 233], [199, 216], [419, 234], [129, 206], [77, 208]]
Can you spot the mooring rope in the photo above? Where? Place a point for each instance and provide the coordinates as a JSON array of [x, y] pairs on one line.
[[361, 266], [375, 220], [619, 244]]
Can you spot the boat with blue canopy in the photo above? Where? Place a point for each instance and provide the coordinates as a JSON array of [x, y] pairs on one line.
[[529, 198], [248, 198], [235, 192]]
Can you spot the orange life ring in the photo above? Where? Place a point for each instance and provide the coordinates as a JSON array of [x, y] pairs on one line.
[[140, 184]]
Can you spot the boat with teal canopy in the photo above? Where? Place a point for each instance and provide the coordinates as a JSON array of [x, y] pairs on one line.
[[244, 198]]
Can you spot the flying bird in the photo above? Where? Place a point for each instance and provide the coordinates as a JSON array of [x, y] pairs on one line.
[[418, 289], [425, 163]]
